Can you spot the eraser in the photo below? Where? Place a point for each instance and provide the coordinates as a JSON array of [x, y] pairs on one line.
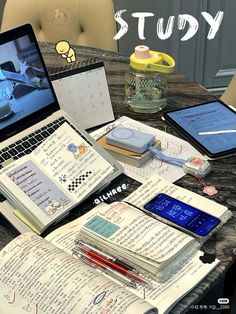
[[130, 139]]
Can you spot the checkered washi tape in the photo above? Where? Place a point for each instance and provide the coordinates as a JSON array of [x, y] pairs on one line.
[[74, 184]]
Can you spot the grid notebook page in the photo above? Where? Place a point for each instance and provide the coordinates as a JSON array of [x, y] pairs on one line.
[[83, 93]]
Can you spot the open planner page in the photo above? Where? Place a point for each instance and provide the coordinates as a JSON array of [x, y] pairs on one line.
[[55, 177], [71, 161], [37, 277], [162, 295]]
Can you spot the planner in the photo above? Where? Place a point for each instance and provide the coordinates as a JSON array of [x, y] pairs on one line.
[[60, 173]]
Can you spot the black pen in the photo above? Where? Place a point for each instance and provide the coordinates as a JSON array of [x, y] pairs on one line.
[[109, 257]]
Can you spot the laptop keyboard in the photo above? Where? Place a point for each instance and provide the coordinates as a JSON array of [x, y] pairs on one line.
[[27, 144]]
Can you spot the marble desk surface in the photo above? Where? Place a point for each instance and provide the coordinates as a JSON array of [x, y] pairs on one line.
[[181, 93]]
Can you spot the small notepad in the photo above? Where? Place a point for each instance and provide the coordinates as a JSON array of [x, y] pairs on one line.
[[83, 93]]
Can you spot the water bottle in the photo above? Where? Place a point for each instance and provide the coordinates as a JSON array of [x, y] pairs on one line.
[[145, 80]]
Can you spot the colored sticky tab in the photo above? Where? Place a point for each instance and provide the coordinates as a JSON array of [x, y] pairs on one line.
[[101, 226], [18, 213]]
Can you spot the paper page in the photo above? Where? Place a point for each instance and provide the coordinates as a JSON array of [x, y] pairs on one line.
[[162, 295], [127, 227], [166, 295], [36, 191], [170, 145], [155, 185], [37, 277], [85, 97], [72, 162], [31, 191], [65, 236], [61, 172], [164, 241], [172, 240]]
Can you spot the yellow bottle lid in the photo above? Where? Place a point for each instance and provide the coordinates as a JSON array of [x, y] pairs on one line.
[[149, 60]]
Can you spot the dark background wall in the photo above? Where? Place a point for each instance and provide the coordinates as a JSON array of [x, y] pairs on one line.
[[210, 63], [2, 3]]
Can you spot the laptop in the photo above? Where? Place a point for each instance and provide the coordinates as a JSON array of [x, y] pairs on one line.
[[33, 112]]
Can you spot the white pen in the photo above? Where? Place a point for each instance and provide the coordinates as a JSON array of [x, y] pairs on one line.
[[217, 132]]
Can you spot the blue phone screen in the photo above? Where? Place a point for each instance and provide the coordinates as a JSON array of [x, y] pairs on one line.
[[182, 214]]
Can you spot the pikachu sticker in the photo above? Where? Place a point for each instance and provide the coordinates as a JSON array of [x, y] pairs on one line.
[[64, 49]]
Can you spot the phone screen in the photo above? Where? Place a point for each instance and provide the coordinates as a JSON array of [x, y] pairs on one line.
[[202, 122], [182, 214]]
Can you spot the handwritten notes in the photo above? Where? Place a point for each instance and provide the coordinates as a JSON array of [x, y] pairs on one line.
[[72, 162], [37, 276], [129, 228], [166, 295], [39, 188], [162, 295], [44, 185]]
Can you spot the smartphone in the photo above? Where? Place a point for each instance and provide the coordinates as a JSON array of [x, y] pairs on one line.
[[182, 215]]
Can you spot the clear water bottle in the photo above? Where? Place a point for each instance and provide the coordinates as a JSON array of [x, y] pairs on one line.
[[145, 80]]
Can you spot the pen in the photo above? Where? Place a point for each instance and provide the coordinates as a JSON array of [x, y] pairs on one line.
[[116, 267], [104, 268], [109, 257], [217, 132]]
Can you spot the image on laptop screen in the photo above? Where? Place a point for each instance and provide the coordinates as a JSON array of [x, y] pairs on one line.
[[24, 87]]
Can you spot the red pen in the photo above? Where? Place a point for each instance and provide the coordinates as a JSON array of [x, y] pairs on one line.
[[106, 255], [104, 268], [116, 267]]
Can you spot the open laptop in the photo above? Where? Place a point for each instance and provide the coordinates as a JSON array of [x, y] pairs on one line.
[[34, 112]]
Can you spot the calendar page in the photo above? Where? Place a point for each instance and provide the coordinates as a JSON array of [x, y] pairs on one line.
[[83, 93]]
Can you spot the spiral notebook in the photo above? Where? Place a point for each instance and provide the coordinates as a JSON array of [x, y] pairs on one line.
[[82, 91]]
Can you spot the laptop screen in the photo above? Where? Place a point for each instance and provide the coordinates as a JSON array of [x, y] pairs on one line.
[[26, 93]]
